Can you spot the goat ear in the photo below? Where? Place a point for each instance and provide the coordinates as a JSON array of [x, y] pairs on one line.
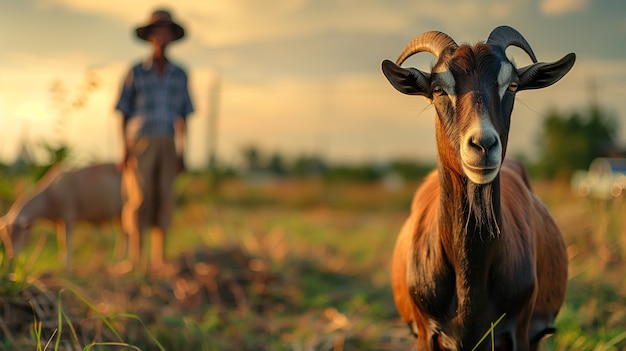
[[543, 74], [410, 81]]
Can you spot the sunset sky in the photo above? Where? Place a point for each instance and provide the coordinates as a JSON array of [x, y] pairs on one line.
[[298, 76]]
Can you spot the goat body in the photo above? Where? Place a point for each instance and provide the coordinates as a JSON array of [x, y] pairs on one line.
[[90, 194], [478, 245], [462, 281]]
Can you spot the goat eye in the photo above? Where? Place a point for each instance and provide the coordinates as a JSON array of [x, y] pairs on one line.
[[438, 90], [513, 86]]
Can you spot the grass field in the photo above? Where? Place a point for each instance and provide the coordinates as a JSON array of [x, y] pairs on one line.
[[285, 265]]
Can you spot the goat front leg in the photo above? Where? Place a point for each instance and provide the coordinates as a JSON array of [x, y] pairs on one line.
[[118, 237]]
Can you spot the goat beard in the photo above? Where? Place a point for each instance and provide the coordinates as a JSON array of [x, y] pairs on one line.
[[482, 210]]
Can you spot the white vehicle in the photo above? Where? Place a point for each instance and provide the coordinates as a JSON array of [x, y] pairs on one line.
[[605, 179]]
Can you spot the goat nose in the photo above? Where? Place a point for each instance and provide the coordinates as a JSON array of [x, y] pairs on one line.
[[483, 143]]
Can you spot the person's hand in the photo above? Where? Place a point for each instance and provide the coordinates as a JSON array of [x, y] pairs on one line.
[[123, 163]]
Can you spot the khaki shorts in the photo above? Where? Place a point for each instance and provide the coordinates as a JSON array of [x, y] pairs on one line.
[[147, 182]]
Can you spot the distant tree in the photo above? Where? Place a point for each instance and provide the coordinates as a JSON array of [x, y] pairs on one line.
[[309, 166], [570, 142], [347, 172], [410, 169], [276, 164], [252, 158]]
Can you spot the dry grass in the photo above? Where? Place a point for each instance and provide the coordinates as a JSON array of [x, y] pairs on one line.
[[290, 265]]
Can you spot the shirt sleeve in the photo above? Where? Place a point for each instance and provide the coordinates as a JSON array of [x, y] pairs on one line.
[[126, 102], [187, 105]]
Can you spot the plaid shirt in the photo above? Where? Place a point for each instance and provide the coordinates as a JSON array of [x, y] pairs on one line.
[[157, 99]]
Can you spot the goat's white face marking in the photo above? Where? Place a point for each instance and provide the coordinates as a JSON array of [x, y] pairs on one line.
[[480, 162], [448, 83], [481, 147], [505, 76]]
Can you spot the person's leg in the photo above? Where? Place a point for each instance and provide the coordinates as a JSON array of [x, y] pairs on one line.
[[139, 194], [132, 197], [165, 199]]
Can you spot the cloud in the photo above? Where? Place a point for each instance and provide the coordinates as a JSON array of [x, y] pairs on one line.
[[561, 7], [240, 22], [243, 21], [501, 10]]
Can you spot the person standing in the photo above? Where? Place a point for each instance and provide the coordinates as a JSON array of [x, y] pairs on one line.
[[154, 103]]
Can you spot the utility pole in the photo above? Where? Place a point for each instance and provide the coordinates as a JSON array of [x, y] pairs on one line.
[[215, 87]]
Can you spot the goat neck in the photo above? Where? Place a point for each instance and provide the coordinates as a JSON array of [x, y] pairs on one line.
[[468, 228]]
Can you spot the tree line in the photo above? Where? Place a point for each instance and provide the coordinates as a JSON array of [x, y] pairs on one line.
[[567, 141], [571, 140]]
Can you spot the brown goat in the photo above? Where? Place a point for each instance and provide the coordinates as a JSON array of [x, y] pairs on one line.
[[478, 245], [89, 194]]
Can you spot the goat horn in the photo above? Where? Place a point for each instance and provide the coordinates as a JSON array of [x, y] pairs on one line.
[[505, 36], [433, 42]]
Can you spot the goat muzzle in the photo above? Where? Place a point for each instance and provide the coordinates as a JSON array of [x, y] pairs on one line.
[[481, 155]]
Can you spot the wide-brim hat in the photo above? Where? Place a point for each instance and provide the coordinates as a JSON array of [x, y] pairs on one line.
[[161, 18]]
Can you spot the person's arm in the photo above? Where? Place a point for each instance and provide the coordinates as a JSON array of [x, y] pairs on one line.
[[125, 147], [126, 107], [180, 140], [180, 126]]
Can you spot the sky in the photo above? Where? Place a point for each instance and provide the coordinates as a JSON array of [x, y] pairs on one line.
[[299, 77]]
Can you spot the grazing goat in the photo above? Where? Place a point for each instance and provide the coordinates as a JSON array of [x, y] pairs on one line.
[[91, 194], [478, 244]]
